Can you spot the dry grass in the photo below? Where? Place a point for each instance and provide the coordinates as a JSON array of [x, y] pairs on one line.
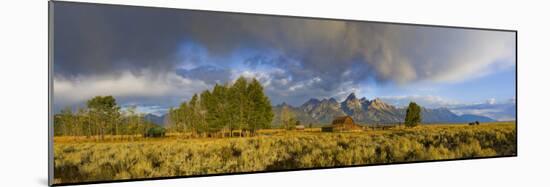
[[80, 159]]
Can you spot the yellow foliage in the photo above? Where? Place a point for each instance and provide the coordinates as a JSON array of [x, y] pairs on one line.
[[80, 160]]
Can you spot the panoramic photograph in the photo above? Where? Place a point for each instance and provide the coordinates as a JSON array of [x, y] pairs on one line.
[[145, 93]]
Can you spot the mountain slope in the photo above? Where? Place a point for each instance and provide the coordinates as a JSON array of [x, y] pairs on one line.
[[158, 120], [471, 117], [367, 111]]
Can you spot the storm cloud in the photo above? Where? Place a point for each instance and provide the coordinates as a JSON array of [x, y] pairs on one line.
[[295, 58]]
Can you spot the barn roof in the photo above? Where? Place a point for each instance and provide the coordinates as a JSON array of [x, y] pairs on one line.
[[341, 119]]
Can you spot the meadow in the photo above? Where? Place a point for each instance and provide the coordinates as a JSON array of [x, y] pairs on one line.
[[77, 159]]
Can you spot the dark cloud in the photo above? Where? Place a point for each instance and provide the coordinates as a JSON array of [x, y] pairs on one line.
[[98, 39], [91, 38], [295, 57], [209, 74]]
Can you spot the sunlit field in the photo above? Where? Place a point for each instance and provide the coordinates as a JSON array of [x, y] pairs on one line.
[[81, 159]]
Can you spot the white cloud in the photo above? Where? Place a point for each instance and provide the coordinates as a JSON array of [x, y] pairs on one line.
[[502, 110], [429, 101], [153, 109], [500, 113], [387, 52], [407, 54], [126, 85], [482, 112], [304, 84], [292, 51], [491, 101], [477, 54]]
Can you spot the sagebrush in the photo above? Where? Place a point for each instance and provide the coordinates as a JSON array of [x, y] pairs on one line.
[[91, 161]]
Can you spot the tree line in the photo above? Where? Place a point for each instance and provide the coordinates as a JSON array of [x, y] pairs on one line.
[[238, 107], [100, 117], [241, 106]]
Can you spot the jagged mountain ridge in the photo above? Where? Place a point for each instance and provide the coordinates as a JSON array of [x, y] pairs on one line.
[[366, 111], [362, 110]]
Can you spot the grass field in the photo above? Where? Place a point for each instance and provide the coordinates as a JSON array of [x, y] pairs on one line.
[[77, 159]]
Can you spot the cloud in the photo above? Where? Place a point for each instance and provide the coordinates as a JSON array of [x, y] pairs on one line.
[[164, 55], [395, 53], [152, 109], [209, 74], [500, 112], [90, 38], [145, 88], [489, 112], [491, 101], [428, 101]]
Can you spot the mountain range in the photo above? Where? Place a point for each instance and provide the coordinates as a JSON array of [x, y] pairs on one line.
[[362, 110], [502, 111]]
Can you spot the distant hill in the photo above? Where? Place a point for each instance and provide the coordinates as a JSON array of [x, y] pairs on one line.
[[159, 120], [471, 117], [367, 111], [504, 111]]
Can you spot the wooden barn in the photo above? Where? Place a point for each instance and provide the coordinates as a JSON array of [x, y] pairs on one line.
[[342, 123]]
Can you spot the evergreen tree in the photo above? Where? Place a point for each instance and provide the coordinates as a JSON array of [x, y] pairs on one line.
[[193, 114], [240, 101], [104, 111], [413, 116], [67, 121], [221, 113], [183, 118], [209, 106], [260, 112], [199, 113], [81, 122], [239, 106]]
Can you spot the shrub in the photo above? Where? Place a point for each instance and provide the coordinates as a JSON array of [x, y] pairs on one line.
[[80, 162]]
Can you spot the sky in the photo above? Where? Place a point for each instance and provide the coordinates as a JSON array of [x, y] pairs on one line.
[[157, 58]]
